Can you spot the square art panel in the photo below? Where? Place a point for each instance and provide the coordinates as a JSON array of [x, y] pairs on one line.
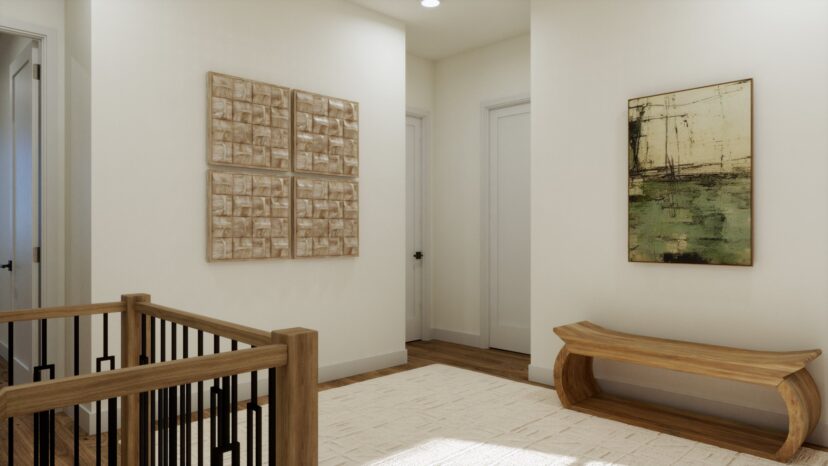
[[249, 216], [326, 135], [690, 184], [248, 123], [326, 217]]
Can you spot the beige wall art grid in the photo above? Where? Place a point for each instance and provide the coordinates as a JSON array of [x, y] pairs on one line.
[[263, 214]]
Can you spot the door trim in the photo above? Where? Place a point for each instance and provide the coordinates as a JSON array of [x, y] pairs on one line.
[[52, 153], [425, 117], [486, 217]]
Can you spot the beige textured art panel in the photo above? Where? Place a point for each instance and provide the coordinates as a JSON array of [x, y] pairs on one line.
[[249, 216], [326, 217], [326, 135], [248, 123]]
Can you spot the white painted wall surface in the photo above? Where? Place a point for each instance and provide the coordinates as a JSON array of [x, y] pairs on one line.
[[149, 73], [419, 83], [588, 58], [462, 83]]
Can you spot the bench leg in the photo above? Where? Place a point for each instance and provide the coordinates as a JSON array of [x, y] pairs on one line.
[[802, 399], [574, 380]]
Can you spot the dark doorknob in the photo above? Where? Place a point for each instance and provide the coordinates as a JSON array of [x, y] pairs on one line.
[[7, 265], [418, 255]]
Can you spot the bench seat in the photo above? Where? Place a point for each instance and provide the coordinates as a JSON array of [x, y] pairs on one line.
[[784, 371], [757, 367]]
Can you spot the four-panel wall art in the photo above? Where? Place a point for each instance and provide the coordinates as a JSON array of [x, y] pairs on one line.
[[283, 182]]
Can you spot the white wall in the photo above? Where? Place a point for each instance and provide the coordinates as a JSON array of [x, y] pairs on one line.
[[588, 58], [419, 83], [462, 83], [149, 65]]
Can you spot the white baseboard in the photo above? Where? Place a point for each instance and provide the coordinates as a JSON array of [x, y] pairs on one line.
[[22, 372], [461, 338], [753, 416], [361, 366], [541, 375], [326, 373]]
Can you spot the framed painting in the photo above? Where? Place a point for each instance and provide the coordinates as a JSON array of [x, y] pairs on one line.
[[690, 176]]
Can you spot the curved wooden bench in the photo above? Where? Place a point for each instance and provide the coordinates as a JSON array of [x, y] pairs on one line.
[[784, 371]]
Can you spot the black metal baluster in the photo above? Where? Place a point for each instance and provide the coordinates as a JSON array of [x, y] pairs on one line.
[[254, 431], [162, 408], [76, 371], [143, 417], [153, 427], [44, 422], [271, 416], [112, 406], [173, 401], [186, 408], [200, 405], [234, 346], [215, 393], [10, 450]]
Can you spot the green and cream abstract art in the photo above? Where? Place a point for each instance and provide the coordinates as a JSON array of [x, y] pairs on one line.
[[691, 176]]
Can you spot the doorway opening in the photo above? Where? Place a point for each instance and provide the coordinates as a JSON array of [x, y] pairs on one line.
[[20, 191], [505, 225], [416, 315]]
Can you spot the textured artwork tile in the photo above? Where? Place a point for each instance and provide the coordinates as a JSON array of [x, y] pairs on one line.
[[326, 217], [249, 215], [249, 123], [326, 137], [690, 176]]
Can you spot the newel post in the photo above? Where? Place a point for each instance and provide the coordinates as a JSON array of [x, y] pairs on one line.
[[297, 405], [130, 357]]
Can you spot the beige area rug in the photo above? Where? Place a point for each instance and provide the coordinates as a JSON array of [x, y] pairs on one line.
[[441, 415]]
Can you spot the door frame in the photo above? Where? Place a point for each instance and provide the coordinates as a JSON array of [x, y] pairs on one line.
[[425, 117], [487, 218], [52, 149], [52, 156]]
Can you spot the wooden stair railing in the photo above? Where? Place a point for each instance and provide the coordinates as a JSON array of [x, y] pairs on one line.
[[784, 371], [289, 356]]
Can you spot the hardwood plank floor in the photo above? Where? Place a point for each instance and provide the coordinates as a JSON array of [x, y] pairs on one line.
[[420, 353]]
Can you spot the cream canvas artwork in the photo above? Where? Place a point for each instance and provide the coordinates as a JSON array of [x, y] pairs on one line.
[[248, 216], [326, 135], [691, 176], [326, 217], [248, 123]]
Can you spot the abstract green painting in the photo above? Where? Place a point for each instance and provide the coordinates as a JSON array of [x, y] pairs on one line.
[[690, 181]]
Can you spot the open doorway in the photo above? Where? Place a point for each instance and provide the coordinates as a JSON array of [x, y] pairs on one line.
[[20, 192], [416, 324]]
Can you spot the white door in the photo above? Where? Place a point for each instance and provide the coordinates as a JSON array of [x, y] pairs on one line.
[[25, 90], [22, 265], [414, 238], [509, 228]]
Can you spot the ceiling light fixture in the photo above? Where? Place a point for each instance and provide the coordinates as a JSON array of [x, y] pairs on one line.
[[430, 3]]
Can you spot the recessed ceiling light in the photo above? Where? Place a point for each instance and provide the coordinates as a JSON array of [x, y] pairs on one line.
[[430, 3]]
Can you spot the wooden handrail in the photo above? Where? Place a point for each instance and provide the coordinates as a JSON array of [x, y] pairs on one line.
[[30, 398], [60, 312], [241, 333]]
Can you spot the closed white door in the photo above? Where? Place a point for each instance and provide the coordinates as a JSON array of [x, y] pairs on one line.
[[509, 228], [25, 269], [414, 238]]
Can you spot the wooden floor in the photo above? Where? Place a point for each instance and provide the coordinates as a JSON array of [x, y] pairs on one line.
[[495, 362]]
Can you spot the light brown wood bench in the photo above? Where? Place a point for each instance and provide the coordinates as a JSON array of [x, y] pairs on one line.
[[784, 371]]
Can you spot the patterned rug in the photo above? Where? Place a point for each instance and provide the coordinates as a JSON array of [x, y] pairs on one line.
[[441, 415]]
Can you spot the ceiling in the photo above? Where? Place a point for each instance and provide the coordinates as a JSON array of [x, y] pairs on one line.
[[456, 25]]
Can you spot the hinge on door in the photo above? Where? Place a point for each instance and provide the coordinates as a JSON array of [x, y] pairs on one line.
[[36, 72], [36, 255]]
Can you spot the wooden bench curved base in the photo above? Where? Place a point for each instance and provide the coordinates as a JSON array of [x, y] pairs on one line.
[[578, 389]]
